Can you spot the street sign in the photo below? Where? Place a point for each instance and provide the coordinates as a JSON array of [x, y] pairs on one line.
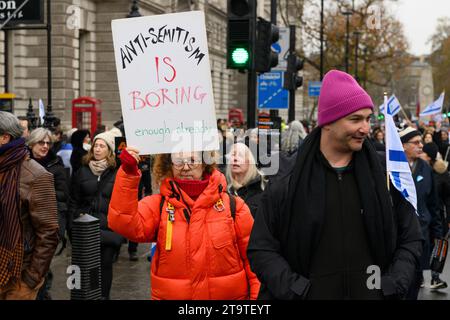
[[314, 88], [282, 48], [22, 12], [271, 94]]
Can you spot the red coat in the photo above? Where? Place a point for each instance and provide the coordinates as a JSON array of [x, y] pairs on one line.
[[205, 258]]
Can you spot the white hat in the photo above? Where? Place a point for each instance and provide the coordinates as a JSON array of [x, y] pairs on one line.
[[108, 138]]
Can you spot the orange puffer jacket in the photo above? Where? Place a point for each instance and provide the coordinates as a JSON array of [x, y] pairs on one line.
[[201, 254]]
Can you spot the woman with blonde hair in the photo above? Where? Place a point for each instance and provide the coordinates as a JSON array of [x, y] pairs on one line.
[[292, 138], [244, 178], [201, 233]]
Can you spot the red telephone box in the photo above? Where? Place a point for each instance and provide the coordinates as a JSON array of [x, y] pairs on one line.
[[86, 113], [235, 116]]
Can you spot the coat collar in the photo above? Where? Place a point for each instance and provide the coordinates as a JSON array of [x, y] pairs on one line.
[[177, 197]]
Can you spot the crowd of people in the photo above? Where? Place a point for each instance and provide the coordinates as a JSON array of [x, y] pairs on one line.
[[225, 229]]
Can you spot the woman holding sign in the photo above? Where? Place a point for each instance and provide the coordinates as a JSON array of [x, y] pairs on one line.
[[201, 232]]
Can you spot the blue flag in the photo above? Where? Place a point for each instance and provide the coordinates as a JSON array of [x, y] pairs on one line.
[[397, 163]]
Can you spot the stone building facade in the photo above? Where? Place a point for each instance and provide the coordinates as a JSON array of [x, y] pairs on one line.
[[83, 59]]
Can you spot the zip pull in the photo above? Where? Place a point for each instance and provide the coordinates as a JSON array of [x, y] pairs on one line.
[[170, 220]]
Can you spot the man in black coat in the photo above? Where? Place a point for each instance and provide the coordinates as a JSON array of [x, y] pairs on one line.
[[330, 229], [427, 205]]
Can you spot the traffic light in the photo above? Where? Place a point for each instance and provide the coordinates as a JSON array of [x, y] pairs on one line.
[[380, 117], [241, 33], [292, 80], [265, 57]]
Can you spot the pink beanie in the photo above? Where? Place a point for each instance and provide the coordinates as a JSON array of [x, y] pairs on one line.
[[340, 96]]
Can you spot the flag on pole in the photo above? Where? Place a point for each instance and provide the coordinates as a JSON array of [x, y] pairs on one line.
[[435, 107], [41, 111], [393, 106], [397, 163]]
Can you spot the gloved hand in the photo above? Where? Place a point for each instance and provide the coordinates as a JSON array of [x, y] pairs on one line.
[[129, 163]]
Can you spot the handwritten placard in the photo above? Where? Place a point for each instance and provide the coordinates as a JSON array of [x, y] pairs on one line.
[[165, 85]]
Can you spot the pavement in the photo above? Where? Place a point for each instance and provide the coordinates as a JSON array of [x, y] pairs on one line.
[[131, 279], [442, 294]]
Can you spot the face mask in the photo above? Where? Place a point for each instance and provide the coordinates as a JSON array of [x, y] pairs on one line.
[[86, 146]]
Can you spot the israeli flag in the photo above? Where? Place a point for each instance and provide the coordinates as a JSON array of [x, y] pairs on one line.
[[397, 164], [393, 106], [435, 107], [41, 111]]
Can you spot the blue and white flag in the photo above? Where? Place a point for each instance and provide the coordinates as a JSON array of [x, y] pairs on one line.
[[41, 111], [397, 163], [393, 106], [435, 107]]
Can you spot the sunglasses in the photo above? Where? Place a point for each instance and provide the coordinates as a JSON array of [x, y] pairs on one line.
[[43, 143]]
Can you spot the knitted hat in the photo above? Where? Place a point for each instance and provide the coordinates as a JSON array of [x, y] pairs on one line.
[[108, 138], [431, 149], [340, 96], [408, 133]]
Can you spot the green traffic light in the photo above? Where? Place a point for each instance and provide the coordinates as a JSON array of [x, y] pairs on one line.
[[240, 56]]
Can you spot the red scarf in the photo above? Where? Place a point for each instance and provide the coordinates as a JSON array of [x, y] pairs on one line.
[[193, 188]]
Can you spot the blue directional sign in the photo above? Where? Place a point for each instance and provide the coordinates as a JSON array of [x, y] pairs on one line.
[[271, 94], [314, 88]]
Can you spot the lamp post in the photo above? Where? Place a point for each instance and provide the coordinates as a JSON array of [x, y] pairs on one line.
[[50, 120], [347, 13], [365, 68], [356, 33], [134, 13], [32, 119], [321, 40]]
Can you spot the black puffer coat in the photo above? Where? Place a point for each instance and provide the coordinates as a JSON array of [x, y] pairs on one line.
[[91, 194], [251, 193]]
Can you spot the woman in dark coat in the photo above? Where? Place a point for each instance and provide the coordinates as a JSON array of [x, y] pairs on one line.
[[80, 142], [92, 186], [40, 142], [243, 177]]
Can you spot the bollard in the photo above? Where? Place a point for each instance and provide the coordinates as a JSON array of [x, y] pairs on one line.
[[86, 255]]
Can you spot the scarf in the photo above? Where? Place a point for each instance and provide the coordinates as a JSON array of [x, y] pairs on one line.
[[11, 247], [98, 166], [193, 188], [305, 212]]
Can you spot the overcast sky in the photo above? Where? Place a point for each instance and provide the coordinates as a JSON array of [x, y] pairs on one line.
[[419, 18]]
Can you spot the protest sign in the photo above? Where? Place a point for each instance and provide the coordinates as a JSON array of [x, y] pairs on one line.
[[165, 84]]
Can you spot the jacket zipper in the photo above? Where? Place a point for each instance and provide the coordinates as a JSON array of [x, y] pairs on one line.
[[346, 293]]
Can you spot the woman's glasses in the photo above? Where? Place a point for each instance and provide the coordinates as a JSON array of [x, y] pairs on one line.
[[43, 143], [178, 163]]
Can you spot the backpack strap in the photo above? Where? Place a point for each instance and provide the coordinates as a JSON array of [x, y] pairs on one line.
[[161, 204], [232, 205]]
